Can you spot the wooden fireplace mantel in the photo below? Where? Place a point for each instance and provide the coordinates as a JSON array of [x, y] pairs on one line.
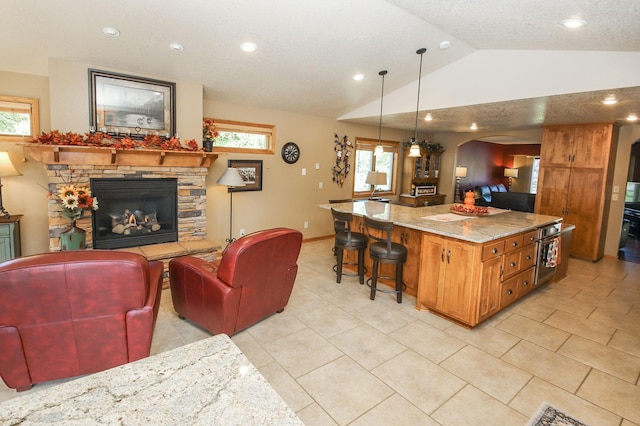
[[77, 155]]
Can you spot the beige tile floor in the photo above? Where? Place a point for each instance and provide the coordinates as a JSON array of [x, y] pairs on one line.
[[337, 357]]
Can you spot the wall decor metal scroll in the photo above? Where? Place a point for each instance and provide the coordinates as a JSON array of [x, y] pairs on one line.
[[342, 147]]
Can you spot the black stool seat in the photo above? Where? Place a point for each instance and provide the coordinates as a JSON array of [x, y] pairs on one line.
[[346, 239], [383, 250]]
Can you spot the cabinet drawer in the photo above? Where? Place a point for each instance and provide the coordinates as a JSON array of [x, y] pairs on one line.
[[525, 281], [528, 256], [5, 230], [513, 242], [512, 264], [493, 249], [508, 292], [530, 237]]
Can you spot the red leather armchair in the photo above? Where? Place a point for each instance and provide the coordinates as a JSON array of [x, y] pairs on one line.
[[71, 313], [253, 280]]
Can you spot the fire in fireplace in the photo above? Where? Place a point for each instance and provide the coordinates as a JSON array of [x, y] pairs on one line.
[[134, 212]]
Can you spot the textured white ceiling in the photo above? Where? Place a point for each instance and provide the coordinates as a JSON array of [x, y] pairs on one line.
[[309, 49]]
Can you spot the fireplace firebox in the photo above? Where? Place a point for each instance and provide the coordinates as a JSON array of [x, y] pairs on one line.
[[134, 212]]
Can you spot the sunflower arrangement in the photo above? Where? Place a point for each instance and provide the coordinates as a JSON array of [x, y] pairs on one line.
[[75, 199], [209, 131]]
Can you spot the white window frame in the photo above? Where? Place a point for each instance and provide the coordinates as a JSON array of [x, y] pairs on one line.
[[267, 130], [22, 105]]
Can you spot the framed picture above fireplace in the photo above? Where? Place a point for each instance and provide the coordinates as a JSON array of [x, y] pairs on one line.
[[251, 173], [125, 105]]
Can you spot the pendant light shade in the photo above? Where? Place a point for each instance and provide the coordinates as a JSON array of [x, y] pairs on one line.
[[414, 151], [379, 148]]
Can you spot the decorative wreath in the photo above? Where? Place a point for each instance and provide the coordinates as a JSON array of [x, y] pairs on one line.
[[342, 148]]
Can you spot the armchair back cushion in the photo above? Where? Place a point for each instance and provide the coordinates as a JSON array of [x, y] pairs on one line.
[[253, 280], [70, 313]]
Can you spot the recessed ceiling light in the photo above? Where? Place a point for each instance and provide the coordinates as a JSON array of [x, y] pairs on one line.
[[445, 44], [474, 126], [610, 100], [176, 47], [111, 32], [428, 117], [249, 46], [358, 77], [573, 23], [632, 117]]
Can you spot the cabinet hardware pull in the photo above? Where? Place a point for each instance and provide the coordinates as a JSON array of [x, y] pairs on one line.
[[515, 244], [448, 256], [442, 255], [494, 251], [509, 292], [512, 264], [528, 257], [525, 283], [532, 238]]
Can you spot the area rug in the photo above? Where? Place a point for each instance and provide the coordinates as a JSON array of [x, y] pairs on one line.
[[547, 415]]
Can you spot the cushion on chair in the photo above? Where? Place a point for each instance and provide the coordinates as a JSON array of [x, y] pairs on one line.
[[398, 252], [357, 239]]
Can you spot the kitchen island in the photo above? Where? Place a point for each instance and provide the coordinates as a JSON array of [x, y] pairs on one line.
[[204, 383], [465, 268]]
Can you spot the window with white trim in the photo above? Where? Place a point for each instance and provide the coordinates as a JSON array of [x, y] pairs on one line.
[[19, 119], [365, 162], [238, 136]]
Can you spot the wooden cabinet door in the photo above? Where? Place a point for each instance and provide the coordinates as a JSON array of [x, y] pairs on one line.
[[432, 260], [592, 145], [489, 297], [553, 189], [557, 146], [455, 295], [412, 240], [585, 210]]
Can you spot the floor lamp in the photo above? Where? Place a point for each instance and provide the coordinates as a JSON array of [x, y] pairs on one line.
[[6, 169], [231, 179], [461, 172]]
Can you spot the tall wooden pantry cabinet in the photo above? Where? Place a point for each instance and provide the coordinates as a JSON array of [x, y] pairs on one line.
[[576, 168]]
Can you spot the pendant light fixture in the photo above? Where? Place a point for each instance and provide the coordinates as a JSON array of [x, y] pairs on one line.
[[414, 151], [379, 148]]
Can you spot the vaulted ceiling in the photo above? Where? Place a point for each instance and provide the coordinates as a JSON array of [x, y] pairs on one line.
[[510, 65]]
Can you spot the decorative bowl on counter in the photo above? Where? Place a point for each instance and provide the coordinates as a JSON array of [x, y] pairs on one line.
[[469, 210]]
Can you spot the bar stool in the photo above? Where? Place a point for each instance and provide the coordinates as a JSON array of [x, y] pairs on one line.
[[348, 240], [383, 250]]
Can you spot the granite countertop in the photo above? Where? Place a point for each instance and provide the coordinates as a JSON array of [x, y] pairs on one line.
[[439, 220], [206, 382]]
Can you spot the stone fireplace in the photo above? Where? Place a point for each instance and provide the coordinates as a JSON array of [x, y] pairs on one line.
[[84, 165]]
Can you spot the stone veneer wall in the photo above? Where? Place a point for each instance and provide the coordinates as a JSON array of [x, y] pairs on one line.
[[192, 196]]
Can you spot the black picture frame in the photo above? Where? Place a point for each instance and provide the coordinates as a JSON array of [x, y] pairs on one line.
[[251, 173], [127, 105]]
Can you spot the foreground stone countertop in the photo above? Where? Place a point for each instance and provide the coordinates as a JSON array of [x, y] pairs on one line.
[[439, 220], [205, 383]]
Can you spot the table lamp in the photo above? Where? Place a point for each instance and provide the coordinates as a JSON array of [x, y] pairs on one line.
[[374, 179], [6, 169], [231, 179], [510, 173]]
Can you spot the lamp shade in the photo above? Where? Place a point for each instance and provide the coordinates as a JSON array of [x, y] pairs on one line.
[[414, 151], [376, 178], [461, 172], [231, 178], [512, 173], [6, 166]]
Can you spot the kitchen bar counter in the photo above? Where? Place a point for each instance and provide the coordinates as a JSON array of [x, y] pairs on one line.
[[206, 382], [440, 221]]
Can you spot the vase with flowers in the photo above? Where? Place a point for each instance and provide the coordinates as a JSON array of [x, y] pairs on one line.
[[209, 134], [75, 200]]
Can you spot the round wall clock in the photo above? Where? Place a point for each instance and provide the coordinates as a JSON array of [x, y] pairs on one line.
[[290, 152]]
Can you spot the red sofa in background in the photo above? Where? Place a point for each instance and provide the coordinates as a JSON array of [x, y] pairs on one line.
[[70, 313], [251, 281]]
